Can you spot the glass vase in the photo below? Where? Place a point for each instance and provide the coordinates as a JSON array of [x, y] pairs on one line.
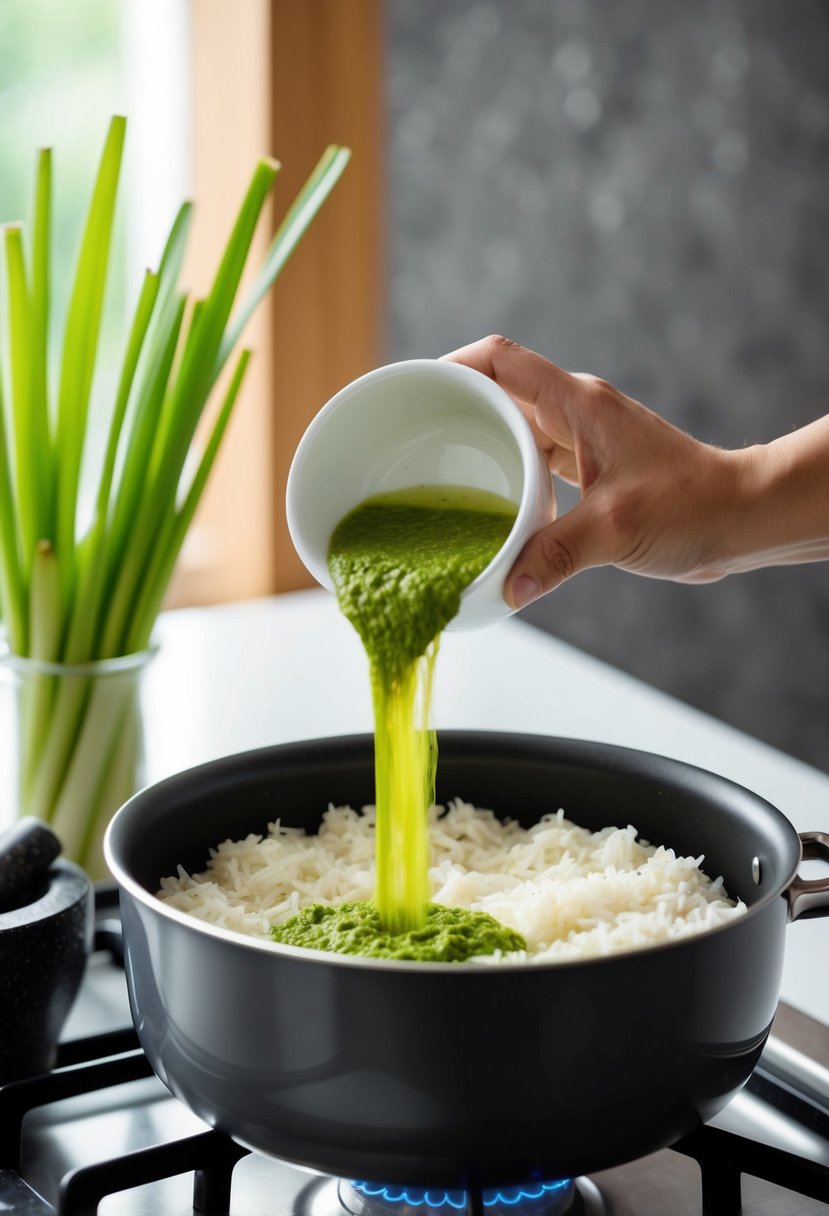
[[72, 743]]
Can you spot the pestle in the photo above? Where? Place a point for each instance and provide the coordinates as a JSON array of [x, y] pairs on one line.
[[27, 850]]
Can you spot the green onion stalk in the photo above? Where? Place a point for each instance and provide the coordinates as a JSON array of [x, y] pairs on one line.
[[73, 597]]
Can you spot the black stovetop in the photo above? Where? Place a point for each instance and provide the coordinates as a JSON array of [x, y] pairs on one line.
[[102, 1134]]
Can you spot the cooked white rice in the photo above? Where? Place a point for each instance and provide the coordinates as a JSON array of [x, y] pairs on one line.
[[570, 892]]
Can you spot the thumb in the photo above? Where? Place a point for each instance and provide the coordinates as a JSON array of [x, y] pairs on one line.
[[564, 548]]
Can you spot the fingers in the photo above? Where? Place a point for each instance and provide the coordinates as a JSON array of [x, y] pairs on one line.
[[526, 375], [562, 462], [569, 545], [545, 391], [581, 424]]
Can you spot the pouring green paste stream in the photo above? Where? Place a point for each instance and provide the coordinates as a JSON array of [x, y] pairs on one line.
[[399, 562]]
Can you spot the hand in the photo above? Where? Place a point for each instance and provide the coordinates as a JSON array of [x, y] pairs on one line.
[[653, 500]]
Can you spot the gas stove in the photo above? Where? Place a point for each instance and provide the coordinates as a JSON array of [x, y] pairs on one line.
[[102, 1134]]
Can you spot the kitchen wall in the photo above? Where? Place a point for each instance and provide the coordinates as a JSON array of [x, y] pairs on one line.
[[640, 190]]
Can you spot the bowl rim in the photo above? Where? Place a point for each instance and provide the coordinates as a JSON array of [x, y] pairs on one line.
[[499, 402]]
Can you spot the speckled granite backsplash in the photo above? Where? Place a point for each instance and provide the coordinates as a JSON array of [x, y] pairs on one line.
[[640, 190]]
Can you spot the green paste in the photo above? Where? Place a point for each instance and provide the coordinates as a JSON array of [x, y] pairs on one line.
[[399, 562], [449, 935]]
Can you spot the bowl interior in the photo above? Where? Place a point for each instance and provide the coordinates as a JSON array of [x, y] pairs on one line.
[[417, 423]]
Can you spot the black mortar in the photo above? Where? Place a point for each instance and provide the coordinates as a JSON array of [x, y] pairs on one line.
[[44, 942]]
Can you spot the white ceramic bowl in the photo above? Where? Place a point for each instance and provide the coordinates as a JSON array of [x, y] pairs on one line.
[[421, 422]]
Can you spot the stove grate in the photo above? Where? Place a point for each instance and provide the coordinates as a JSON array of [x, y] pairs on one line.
[[724, 1157], [84, 1066], [100, 1061], [88, 1071], [210, 1155]]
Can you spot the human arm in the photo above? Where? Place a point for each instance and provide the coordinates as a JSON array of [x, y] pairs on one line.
[[654, 500]]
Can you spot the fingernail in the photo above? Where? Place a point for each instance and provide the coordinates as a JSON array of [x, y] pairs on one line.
[[524, 590]]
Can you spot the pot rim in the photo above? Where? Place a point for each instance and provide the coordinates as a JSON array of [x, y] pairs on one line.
[[488, 738]]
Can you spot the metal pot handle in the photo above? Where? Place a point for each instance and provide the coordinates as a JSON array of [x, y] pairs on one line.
[[810, 897]]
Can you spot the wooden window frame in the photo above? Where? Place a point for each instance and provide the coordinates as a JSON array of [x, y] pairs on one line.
[[283, 77]]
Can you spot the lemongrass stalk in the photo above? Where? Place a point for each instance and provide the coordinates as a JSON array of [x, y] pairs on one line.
[[121, 776], [300, 215], [98, 741], [130, 552], [54, 749], [86, 606], [176, 526], [184, 405], [195, 377], [135, 343], [172, 256], [37, 692], [81, 344], [12, 587], [313, 194], [99, 595], [19, 311], [169, 409], [45, 626], [135, 472], [58, 747], [169, 269], [43, 451], [159, 288]]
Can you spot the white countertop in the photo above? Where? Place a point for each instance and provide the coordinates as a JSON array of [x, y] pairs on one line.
[[246, 675]]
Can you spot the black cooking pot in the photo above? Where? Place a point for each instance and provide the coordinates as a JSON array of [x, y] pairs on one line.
[[449, 1074]]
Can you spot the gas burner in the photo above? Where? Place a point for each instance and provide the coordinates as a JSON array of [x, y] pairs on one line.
[[568, 1197]]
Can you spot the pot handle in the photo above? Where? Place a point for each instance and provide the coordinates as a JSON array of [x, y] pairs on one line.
[[810, 897]]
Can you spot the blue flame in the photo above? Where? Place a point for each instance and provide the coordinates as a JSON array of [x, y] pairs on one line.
[[416, 1197]]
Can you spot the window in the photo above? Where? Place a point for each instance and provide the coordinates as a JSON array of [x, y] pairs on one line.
[[207, 87]]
